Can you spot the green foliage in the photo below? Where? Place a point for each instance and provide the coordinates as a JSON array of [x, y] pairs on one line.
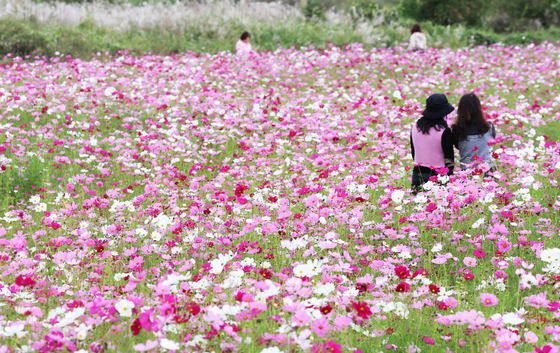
[[480, 37], [409, 9], [525, 9], [20, 179], [21, 37], [450, 12], [314, 9], [550, 130], [365, 8], [500, 15], [24, 37]]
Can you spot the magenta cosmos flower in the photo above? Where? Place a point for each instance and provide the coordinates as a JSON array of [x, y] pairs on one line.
[[488, 299]]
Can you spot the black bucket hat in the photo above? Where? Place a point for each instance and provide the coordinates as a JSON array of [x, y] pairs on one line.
[[437, 107]]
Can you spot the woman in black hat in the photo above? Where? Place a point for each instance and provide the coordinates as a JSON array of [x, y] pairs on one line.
[[432, 142]]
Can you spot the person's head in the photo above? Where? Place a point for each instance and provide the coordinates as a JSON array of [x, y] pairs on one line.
[[469, 112], [437, 108], [415, 28], [245, 36]]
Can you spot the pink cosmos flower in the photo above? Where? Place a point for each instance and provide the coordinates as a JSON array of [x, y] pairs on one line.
[[149, 322], [429, 340], [143, 347], [530, 337], [301, 318], [488, 299], [321, 326], [554, 306], [451, 302], [245, 315], [342, 322], [505, 345], [469, 261], [537, 300], [479, 253], [215, 320], [112, 229], [503, 245], [332, 347]]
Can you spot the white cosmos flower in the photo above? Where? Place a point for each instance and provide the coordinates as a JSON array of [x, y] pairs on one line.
[[528, 280], [405, 255], [512, 319], [156, 236], [81, 335], [401, 310], [444, 294], [437, 247], [141, 232], [397, 196], [169, 344], [14, 330], [35, 199], [324, 289], [428, 185], [550, 255], [477, 223], [304, 270], [124, 307]]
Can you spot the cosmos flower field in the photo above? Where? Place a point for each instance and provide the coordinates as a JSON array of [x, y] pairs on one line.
[[216, 203]]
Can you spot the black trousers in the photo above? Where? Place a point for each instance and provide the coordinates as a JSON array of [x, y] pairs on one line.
[[421, 176]]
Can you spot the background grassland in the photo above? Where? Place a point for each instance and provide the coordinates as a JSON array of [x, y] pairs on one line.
[[26, 33]]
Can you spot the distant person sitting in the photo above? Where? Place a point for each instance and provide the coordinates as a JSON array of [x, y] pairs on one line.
[[243, 46], [417, 38]]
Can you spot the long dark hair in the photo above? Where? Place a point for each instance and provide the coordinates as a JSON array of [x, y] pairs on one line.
[[245, 35], [424, 125], [415, 28], [469, 112]]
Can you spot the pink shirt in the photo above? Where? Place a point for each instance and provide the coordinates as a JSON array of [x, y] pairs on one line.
[[242, 47], [427, 148]]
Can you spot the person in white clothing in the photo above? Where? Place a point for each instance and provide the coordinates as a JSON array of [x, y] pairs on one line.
[[417, 38], [243, 46]]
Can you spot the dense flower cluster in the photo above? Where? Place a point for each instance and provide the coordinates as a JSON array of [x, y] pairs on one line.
[[202, 202]]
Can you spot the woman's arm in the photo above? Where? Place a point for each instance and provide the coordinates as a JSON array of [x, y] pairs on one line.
[[455, 137], [411, 146], [447, 147]]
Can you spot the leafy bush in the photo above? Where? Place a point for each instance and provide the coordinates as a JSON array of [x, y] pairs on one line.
[[450, 12], [409, 9], [314, 9], [480, 37], [21, 37], [365, 8]]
